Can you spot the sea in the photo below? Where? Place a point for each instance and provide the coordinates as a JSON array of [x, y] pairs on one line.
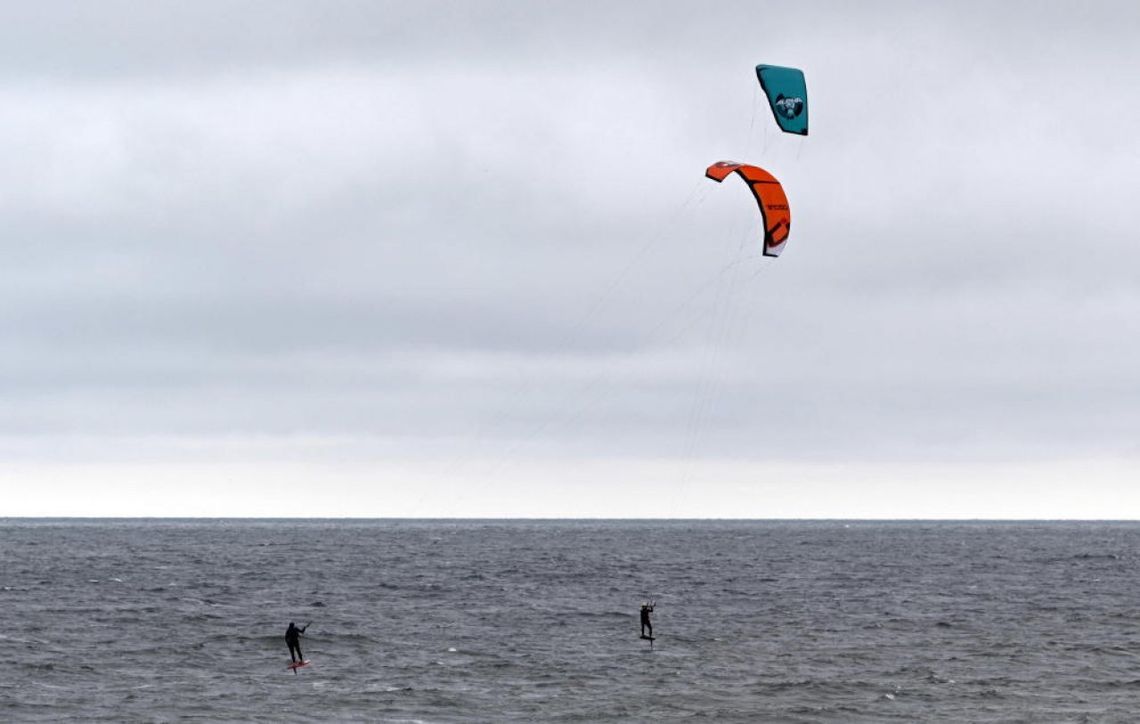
[[529, 621]]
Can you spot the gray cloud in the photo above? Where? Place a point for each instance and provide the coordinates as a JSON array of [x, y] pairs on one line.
[[472, 230]]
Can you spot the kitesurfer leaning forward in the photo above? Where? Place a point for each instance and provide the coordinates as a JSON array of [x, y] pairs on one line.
[[293, 640], [646, 609]]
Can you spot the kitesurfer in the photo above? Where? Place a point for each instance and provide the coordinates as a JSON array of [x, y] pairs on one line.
[[646, 609], [293, 639]]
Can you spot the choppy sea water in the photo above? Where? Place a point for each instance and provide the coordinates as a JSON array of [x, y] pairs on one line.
[[528, 621]]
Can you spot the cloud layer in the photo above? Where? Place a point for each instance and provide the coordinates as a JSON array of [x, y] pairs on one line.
[[355, 233]]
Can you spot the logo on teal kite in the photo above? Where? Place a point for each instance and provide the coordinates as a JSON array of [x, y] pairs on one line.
[[789, 107]]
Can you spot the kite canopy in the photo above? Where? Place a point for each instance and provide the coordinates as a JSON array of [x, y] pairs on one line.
[[787, 95], [769, 196]]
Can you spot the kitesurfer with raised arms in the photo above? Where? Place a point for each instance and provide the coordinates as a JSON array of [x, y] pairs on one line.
[[646, 609]]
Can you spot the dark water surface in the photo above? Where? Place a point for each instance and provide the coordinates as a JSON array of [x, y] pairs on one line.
[[526, 621]]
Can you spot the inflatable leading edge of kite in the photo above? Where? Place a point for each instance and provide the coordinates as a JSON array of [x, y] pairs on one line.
[[787, 96], [770, 197]]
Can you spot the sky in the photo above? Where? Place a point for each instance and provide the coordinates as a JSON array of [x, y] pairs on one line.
[[441, 259]]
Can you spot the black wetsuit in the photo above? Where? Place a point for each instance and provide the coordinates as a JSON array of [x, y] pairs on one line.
[[645, 623], [293, 640]]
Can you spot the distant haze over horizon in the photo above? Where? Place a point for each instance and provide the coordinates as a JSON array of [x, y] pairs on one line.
[[383, 259]]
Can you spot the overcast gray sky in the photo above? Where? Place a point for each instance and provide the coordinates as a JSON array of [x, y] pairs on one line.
[[300, 258]]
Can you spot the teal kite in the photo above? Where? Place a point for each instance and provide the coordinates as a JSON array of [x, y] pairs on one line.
[[787, 95]]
